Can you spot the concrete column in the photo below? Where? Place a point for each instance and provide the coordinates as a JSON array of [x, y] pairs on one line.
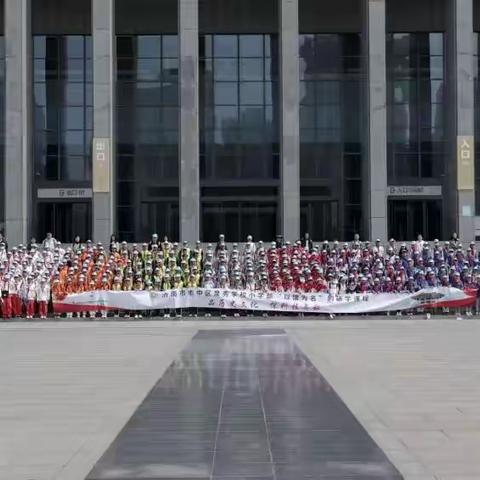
[[289, 119], [376, 188], [189, 121], [18, 129], [461, 30], [103, 149]]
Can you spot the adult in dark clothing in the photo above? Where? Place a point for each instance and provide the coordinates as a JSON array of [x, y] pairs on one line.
[[154, 241], [113, 243], [307, 243]]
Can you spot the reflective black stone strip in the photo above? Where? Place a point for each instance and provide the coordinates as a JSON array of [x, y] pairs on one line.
[[243, 404]]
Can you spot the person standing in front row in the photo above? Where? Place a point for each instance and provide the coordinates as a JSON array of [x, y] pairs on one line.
[[31, 293], [6, 304], [43, 296]]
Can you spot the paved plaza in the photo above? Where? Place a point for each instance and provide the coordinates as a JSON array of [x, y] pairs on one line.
[[67, 390]]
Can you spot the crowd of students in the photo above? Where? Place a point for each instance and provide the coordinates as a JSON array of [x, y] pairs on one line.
[[33, 275]]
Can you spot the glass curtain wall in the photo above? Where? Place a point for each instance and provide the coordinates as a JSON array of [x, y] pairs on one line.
[[476, 69], [239, 141], [331, 151], [416, 101], [2, 133], [147, 136], [62, 110]]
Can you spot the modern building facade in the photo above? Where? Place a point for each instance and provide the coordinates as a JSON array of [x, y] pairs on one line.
[[190, 118]]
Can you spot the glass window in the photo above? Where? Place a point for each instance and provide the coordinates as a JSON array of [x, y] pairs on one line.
[[251, 121], [226, 93], [307, 117], [74, 94], [251, 69], [148, 46], [170, 70], [436, 43], [330, 118], [125, 47], [169, 46], [73, 118], [251, 46], [75, 46], [144, 93], [415, 67], [74, 70], [328, 92], [73, 142], [239, 129], [307, 93], [51, 47], [40, 94], [148, 118], [251, 93], [2, 131], [63, 114], [476, 69], [225, 116], [225, 46], [226, 69], [148, 69], [404, 91], [39, 46], [39, 70], [147, 136], [125, 68]]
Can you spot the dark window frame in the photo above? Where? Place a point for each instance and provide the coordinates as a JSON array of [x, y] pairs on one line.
[[147, 153], [427, 153], [55, 82]]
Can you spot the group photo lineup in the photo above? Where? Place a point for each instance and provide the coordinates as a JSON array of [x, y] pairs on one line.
[[163, 278], [295, 162]]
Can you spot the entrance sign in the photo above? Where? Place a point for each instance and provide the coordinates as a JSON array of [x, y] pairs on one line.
[[101, 165], [465, 162]]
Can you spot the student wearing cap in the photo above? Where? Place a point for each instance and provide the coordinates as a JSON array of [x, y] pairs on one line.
[[58, 290], [43, 297], [197, 254], [31, 294], [6, 304], [166, 247], [14, 293]]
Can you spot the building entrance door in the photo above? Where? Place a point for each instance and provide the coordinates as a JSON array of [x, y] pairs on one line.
[[65, 220], [409, 218]]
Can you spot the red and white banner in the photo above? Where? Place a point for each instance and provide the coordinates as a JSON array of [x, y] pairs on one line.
[[265, 301]]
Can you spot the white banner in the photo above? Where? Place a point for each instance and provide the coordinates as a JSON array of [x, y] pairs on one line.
[[265, 301]]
